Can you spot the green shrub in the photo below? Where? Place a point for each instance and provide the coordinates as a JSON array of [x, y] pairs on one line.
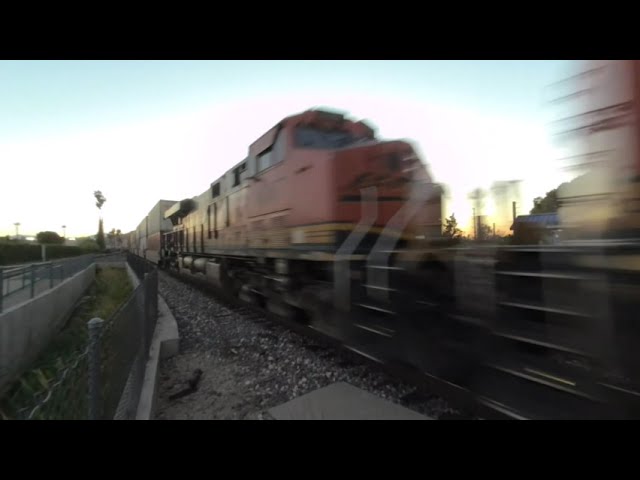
[[24, 252], [49, 238], [18, 253]]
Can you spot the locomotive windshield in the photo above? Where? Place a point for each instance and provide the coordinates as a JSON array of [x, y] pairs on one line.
[[309, 137]]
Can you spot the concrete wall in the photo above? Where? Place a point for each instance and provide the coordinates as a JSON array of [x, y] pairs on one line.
[[165, 344], [133, 278], [27, 328]]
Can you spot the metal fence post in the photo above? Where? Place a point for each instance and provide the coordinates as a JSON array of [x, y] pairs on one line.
[[145, 325], [33, 279], [1, 288], [95, 365]]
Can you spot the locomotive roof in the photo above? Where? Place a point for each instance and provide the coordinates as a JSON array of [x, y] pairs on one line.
[[309, 116]]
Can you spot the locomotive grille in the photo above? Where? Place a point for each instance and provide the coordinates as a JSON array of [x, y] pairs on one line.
[[268, 233], [256, 234], [278, 237]]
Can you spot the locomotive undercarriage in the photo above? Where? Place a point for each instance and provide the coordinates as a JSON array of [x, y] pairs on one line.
[[547, 321], [397, 325]]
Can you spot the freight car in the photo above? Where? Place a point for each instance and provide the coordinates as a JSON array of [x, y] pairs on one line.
[[147, 239], [290, 224]]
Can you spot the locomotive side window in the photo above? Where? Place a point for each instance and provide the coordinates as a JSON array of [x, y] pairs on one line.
[[215, 220], [236, 173], [279, 147], [222, 220], [309, 137], [264, 159], [274, 154]]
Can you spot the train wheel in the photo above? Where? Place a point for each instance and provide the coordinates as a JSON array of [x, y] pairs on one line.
[[276, 305]]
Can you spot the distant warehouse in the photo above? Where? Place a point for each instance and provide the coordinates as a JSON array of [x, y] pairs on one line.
[[535, 229]]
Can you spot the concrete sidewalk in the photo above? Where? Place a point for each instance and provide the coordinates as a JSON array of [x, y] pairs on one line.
[[342, 401]]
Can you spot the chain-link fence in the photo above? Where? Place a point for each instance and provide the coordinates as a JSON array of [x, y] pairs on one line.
[[123, 351], [139, 265], [61, 398], [104, 380]]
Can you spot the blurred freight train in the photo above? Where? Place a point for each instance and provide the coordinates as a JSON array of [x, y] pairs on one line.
[[601, 133], [326, 223], [272, 228], [146, 240]]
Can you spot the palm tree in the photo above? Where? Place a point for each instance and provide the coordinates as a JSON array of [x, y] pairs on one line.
[[100, 199]]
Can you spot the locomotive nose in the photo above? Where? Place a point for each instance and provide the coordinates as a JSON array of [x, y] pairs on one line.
[[391, 167]]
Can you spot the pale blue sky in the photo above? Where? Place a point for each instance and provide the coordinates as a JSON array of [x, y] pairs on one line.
[[153, 117], [50, 96]]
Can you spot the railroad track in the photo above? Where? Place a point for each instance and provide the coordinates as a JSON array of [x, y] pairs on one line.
[[551, 341], [513, 371], [252, 361], [461, 399]]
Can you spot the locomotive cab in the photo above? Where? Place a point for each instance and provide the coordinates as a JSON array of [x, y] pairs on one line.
[[310, 173]]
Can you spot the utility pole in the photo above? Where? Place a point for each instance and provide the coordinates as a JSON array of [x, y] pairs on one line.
[[514, 211], [17, 225], [64, 231], [475, 225]]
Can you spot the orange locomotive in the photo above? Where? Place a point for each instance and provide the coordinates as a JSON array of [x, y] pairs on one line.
[[274, 224]]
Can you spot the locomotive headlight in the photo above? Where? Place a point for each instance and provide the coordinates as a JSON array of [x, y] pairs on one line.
[[282, 266]]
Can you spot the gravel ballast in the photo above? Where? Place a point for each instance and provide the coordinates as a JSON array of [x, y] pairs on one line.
[[250, 364]]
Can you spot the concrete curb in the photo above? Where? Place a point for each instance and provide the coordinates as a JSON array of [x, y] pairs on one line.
[[342, 401], [165, 344]]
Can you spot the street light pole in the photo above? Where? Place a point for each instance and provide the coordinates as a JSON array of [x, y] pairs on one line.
[[475, 225], [17, 225], [64, 231]]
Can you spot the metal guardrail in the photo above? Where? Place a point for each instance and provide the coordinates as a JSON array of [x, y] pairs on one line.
[[36, 278]]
